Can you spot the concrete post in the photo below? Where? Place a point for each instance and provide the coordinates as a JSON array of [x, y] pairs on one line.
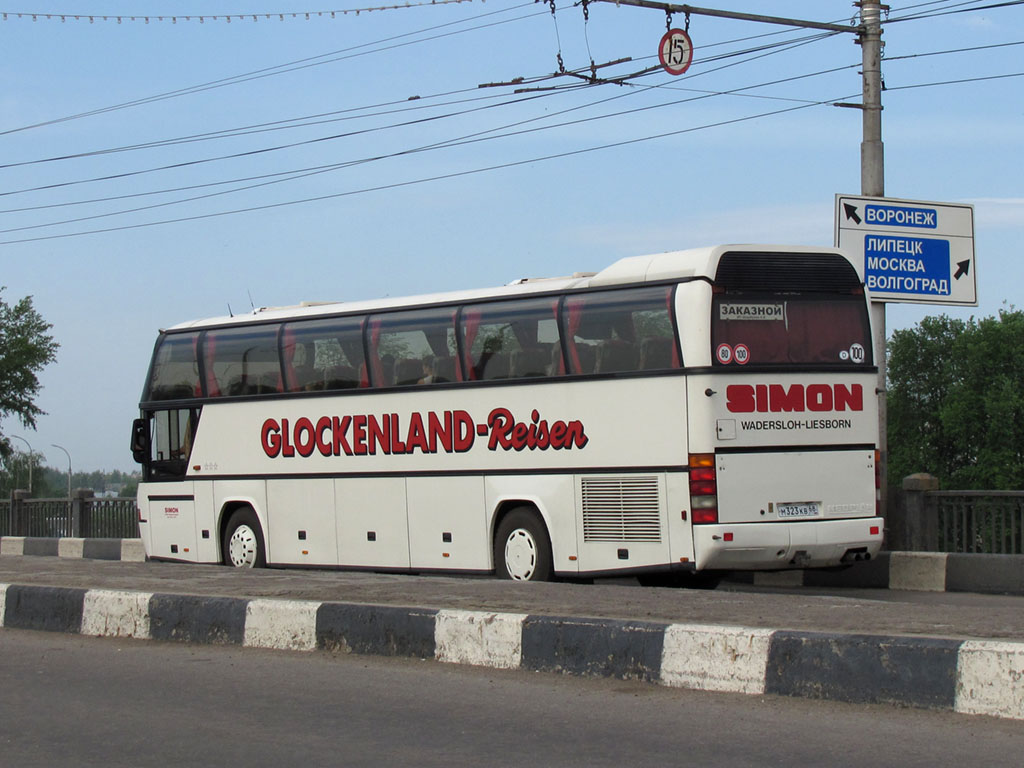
[[921, 532], [81, 512], [872, 184], [19, 517]]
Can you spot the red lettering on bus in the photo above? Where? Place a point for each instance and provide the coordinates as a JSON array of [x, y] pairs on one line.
[[378, 433], [270, 436], [463, 431], [819, 397], [286, 447], [506, 432], [775, 398], [397, 446], [448, 432], [439, 432], [416, 438], [786, 400], [340, 427], [323, 443], [847, 398], [305, 439], [359, 434]]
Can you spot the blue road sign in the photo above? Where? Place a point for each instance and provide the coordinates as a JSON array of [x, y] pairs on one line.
[[911, 251], [909, 265]]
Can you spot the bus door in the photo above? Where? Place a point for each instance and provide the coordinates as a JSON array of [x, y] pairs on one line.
[[166, 438]]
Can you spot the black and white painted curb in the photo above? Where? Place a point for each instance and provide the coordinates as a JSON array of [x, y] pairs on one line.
[[93, 549], [977, 677]]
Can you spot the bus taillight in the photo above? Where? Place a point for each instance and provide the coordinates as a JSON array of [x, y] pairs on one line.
[[703, 488]]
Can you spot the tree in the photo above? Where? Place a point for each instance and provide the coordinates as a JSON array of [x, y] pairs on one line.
[[956, 407], [26, 347]]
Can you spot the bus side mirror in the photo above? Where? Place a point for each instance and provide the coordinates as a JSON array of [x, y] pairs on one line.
[[140, 440]]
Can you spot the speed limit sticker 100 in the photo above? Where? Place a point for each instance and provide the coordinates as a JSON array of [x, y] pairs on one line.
[[675, 52], [726, 354]]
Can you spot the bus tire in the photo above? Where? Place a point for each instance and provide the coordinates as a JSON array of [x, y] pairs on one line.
[[243, 541], [522, 547]]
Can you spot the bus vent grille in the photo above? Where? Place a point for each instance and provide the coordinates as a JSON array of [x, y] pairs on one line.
[[786, 272], [621, 508]]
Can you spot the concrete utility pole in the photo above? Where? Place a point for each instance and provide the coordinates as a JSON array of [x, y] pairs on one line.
[[872, 184]]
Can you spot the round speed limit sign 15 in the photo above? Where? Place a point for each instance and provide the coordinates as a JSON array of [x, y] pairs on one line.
[[675, 52]]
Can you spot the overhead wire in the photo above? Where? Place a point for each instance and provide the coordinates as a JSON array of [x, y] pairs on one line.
[[439, 177], [952, 10], [276, 124], [768, 49], [457, 142], [461, 141], [278, 69], [227, 17], [466, 139]]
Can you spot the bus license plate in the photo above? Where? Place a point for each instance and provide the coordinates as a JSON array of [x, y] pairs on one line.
[[799, 509]]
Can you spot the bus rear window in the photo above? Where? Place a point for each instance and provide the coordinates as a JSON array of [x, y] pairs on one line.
[[782, 329]]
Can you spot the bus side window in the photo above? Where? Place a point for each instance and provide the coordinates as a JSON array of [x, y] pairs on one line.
[[412, 348], [242, 361], [322, 354], [511, 339], [620, 331]]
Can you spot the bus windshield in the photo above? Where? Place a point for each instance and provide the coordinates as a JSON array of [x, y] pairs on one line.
[[760, 328]]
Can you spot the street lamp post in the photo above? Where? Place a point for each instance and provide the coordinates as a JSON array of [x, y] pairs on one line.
[[16, 437], [69, 465]]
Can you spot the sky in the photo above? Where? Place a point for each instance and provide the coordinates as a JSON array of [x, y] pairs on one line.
[[155, 170]]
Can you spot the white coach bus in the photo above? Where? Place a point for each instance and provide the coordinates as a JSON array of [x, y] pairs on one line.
[[672, 416]]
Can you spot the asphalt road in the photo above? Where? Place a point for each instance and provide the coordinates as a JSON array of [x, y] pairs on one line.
[[77, 701], [943, 614]]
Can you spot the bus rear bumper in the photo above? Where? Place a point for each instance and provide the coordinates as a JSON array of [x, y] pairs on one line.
[[777, 546]]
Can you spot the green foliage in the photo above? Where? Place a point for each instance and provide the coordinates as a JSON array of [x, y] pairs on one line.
[[26, 348], [956, 406], [52, 482]]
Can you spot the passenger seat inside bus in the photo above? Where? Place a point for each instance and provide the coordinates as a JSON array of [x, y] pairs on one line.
[[529, 362], [492, 365], [616, 355], [340, 377], [444, 369], [408, 371], [656, 353]]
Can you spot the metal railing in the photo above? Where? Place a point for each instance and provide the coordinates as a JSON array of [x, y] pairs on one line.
[[82, 516], [990, 522]]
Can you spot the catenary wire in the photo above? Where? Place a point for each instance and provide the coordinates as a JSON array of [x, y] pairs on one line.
[[774, 48], [284, 68], [460, 141], [440, 177]]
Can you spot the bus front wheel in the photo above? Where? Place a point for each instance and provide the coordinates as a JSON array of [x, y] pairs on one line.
[[243, 541], [522, 548]]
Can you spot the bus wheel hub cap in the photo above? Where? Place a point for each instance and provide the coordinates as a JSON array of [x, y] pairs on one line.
[[242, 547], [520, 555]]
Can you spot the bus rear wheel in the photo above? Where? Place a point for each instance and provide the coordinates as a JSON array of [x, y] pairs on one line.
[[243, 541], [522, 548]]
